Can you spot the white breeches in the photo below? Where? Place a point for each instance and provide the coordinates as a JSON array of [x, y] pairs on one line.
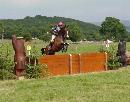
[[52, 38], [67, 34]]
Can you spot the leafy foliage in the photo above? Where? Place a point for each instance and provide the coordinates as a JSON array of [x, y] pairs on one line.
[[74, 33], [113, 28], [38, 26], [6, 63], [34, 69], [46, 37], [113, 59], [27, 37]]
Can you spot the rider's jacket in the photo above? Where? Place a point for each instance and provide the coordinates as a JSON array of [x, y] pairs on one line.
[[55, 30]]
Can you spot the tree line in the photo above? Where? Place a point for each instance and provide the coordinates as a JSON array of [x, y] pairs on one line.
[[40, 26]]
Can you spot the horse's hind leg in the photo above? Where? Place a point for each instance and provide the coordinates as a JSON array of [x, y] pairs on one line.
[[62, 47], [65, 47], [51, 52]]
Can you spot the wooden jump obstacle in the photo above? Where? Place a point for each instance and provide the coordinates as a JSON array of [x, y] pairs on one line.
[[75, 63]]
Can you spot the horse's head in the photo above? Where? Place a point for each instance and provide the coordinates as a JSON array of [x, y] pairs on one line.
[[63, 32]]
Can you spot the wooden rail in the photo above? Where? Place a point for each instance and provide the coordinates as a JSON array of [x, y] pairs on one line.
[[75, 63]]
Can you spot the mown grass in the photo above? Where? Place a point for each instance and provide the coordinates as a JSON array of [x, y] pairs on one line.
[[73, 48], [83, 47], [111, 86]]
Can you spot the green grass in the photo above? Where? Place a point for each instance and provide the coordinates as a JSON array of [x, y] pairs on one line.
[[73, 48], [111, 86]]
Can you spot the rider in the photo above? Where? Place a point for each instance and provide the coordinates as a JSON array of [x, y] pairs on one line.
[[55, 31]]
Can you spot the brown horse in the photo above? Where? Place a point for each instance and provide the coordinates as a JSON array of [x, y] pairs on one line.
[[58, 43]]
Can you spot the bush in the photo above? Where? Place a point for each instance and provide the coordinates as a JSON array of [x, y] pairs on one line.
[[33, 68], [6, 63], [38, 71], [113, 59]]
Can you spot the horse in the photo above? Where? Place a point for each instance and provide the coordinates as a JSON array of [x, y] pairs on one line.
[[58, 43]]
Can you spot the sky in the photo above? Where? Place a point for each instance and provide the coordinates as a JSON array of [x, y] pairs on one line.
[[84, 10]]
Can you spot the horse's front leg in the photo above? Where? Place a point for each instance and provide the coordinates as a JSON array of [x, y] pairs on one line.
[[43, 51], [65, 47]]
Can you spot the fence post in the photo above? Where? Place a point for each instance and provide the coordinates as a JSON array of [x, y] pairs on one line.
[[70, 64], [79, 63], [106, 59]]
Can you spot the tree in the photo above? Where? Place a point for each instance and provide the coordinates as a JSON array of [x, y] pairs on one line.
[[74, 32], [128, 38], [113, 28], [45, 37], [2, 27], [27, 37], [38, 26]]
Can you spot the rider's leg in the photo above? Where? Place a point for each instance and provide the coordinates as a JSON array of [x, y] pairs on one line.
[[52, 40], [67, 35], [53, 37]]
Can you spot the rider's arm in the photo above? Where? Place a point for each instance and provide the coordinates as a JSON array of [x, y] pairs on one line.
[[53, 31], [58, 29]]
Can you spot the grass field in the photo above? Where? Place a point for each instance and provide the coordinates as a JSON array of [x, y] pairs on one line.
[[111, 86], [73, 48]]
